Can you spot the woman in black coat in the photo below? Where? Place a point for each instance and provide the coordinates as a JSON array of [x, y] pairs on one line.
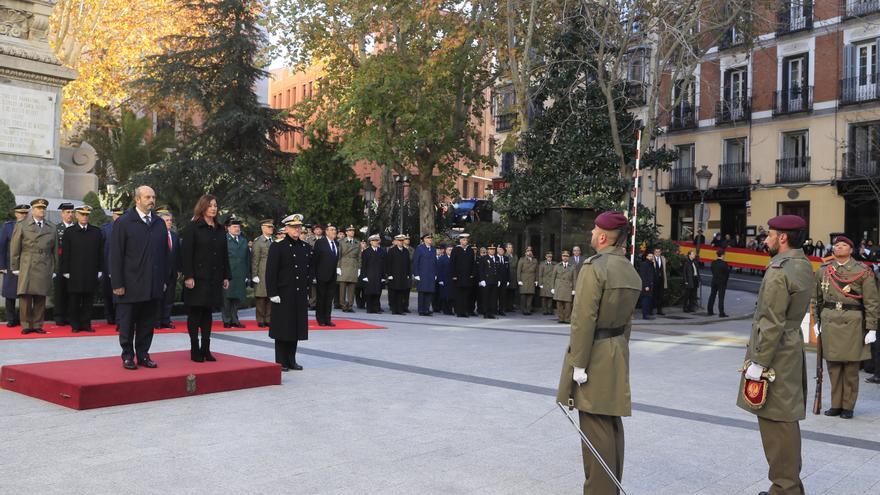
[[646, 271], [206, 273]]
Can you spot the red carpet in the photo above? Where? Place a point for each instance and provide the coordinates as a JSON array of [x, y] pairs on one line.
[[101, 382], [103, 329]]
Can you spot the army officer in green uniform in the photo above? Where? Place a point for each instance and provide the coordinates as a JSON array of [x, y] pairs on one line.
[[595, 373], [776, 343], [259, 256], [846, 316], [240, 273]]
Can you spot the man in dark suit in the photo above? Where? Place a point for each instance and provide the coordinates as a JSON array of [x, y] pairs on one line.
[[139, 271], [720, 275], [326, 258], [398, 271], [106, 286], [174, 260], [59, 295], [648, 273], [81, 253], [503, 279], [462, 263], [373, 274], [691, 282], [10, 281], [660, 280]]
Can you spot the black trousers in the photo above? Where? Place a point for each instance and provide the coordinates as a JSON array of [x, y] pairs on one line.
[[511, 299], [136, 322], [462, 300], [360, 299], [285, 352], [79, 307], [59, 297], [719, 291], [875, 352], [109, 306], [324, 292], [397, 299], [425, 299], [657, 299], [689, 298], [12, 315], [168, 302], [490, 300], [373, 304], [502, 300]]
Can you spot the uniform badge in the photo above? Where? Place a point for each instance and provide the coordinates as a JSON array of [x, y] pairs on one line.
[[846, 289], [755, 391]]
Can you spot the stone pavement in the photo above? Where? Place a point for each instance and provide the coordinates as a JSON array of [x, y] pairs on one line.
[[431, 405]]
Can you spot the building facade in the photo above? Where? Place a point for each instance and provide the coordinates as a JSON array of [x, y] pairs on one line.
[[788, 124]]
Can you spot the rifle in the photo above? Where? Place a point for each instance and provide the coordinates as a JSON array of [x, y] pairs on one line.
[[820, 373]]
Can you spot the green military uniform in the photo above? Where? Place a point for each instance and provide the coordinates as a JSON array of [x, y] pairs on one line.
[[349, 265], [546, 271], [239, 271], [527, 280], [846, 308], [607, 290], [776, 342], [259, 256], [563, 288], [33, 253]]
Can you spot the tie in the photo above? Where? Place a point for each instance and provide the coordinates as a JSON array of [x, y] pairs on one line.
[[333, 247], [147, 219], [169, 241]]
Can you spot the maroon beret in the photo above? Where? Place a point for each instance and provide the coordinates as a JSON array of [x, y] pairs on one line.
[[611, 220], [844, 239], [787, 222]]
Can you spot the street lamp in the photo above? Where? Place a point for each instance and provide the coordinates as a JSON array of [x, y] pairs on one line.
[[369, 197], [703, 178], [111, 190], [401, 181]]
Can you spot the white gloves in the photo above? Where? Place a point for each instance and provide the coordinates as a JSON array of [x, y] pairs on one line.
[[572, 292], [390, 277], [275, 299], [553, 291], [100, 274], [67, 275], [482, 283], [359, 272], [754, 371], [255, 280], [339, 271], [817, 329], [541, 286], [417, 277], [15, 272], [499, 284], [871, 337], [579, 375], [54, 275], [520, 283], [442, 284], [366, 279]]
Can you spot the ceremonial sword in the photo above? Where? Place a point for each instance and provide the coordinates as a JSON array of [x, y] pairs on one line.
[[592, 448]]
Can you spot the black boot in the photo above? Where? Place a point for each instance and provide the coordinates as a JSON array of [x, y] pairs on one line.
[[206, 346], [194, 353]]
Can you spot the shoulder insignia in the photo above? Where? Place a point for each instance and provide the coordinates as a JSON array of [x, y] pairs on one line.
[[590, 260], [778, 263]]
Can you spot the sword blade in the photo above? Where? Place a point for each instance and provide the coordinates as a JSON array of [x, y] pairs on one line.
[[592, 448]]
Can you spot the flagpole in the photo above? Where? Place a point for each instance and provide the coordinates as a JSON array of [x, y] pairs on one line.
[[635, 213]]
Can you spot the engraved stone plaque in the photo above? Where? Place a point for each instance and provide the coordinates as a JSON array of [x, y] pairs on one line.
[[27, 121]]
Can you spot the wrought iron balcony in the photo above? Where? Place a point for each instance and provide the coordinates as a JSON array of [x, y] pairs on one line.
[[793, 169], [786, 22], [684, 116], [857, 8], [682, 178], [859, 89], [504, 121], [733, 110], [734, 174], [793, 100], [861, 165]]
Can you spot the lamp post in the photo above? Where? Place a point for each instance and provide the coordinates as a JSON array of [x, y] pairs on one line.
[[401, 181], [111, 191], [369, 197], [703, 178]]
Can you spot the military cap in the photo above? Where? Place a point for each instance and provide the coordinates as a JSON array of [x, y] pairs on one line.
[[84, 210], [611, 220], [317, 225], [279, 231], [464, 234], [329, 225], [118, 210], [235, 221], [406, 236], [65, 206], [40, 203], [844, 239], [429, 235], [267, 222], [566, 253], [22, 208], [163, 210], [399, 237], [350, 228], [292, 221], [787, 222], [441, 246], [298, 216], [490, 246], [374, 237]]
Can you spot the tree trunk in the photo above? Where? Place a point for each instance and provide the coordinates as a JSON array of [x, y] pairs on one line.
[[426, 205]]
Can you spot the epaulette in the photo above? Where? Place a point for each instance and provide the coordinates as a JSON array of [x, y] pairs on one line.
[[778, 263], [591, 258]]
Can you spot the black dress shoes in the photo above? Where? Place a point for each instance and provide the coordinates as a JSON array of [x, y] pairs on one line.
[[196, 355], [329, 324], [38, 330], [129, 364], [209, 357], [834, 411], [237, 325], [873, 379], [25, 331], [296, 367], [285, 369], [709, 313], [846, 414], [722, 315], [88, 329], [148, 363], [227, 325]]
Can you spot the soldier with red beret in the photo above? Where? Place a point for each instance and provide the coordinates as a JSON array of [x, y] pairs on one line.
[[776, 344]]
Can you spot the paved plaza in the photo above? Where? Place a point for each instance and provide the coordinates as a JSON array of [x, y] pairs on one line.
[[430, 405]]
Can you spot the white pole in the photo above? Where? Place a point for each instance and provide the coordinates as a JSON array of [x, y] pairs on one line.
[[632, 258]]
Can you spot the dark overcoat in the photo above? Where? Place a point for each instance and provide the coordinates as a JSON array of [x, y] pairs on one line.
[[107, 232], [443, 275], [289, 274], [205, 258], [81, 254], [139, 257], [463, 264], [10, 281], [398, 266], [425, 267], [373, 270]]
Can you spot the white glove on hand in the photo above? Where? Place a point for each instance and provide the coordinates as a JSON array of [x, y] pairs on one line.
[[359, 272], [417, 277], [579, 375], [100, 274], [15, 272], [754, 371], [817, 329], [553, 291], [314, 281], [66, 275], [871, 337], [482, 283], [339, 271], [520, 283], [365, 279], [54, 275], [499, 284], [275, 299], [572, 292], [442, 284], [255, 280], [390, 277]]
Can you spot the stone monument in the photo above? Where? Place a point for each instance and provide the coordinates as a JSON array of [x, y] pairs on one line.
[[31, 80]]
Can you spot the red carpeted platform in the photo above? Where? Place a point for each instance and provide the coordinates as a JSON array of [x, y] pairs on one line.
[[103, 329], [101, 382]]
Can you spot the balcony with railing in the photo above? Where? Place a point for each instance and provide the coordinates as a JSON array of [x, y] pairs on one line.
[[861, 165], [731, 38], [794, 16], [859, 89], [793, 169], [682, 178], [734, 174], [504, 122], [733, 110], [684, 116], [793, 100], [858, 8]]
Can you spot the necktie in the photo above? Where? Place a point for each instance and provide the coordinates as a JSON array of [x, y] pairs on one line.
[[40, 225], [169, 241], [147, 219], [333, 247]]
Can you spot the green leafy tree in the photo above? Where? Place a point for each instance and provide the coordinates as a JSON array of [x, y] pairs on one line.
[[7, 203], [322, 186], [98, 217], [212, 72]]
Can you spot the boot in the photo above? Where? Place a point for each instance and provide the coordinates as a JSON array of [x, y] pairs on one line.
[[194, 353], [206, 347]]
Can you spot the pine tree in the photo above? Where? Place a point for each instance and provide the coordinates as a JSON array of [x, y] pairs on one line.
[[7, 203], [214, 69], [99, 216]]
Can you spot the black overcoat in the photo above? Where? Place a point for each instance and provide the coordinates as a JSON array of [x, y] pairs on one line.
[[289, 274], [372, 269], [81, 254], [462, 264], [205, 258], [397, 265], [139, 257], [325, 260]]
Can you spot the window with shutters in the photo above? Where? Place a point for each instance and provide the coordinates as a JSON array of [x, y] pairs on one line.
[[860, 69], [863, 152], [735, 104], [796, 94], [683, 170], [794, 163]]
